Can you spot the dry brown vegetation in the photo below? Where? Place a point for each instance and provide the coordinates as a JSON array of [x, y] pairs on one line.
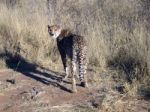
[[117, 32]]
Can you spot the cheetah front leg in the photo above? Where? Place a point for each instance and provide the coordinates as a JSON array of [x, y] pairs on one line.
[[67, 73], [65, 63], [67, 68], [64, 59]]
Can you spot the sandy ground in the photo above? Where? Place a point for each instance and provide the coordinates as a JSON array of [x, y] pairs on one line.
[[43, 91]]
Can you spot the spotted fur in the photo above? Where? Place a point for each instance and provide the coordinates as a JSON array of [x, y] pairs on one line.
[[73, 51]]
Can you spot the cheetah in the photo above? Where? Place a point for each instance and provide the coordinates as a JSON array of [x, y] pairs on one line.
[[73, 51]]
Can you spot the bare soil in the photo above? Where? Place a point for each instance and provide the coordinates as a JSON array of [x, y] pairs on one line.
[[44, 91]]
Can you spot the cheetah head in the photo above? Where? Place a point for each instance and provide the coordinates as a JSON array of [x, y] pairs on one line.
[[54, 31]]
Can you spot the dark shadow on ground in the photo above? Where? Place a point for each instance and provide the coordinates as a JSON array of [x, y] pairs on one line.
[[28, 69]]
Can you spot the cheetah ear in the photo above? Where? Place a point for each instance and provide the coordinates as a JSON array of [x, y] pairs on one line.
[[48, 26], [58, 26]]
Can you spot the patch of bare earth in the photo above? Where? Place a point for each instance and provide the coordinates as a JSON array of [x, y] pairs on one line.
[[43, 91]]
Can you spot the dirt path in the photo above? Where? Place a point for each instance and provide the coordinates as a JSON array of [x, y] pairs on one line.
[[42, 91], [38, 92]]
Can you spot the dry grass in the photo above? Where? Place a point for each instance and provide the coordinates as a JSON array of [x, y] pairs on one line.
[[25, 34], [117, 33]]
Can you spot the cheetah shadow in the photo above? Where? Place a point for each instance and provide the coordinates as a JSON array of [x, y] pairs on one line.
[[45, 76]]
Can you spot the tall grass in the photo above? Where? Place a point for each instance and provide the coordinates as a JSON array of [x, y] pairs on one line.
[[25, 33], [117, 32]]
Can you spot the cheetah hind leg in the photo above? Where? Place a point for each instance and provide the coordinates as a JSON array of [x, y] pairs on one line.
[[82, 72], [84, 84]]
